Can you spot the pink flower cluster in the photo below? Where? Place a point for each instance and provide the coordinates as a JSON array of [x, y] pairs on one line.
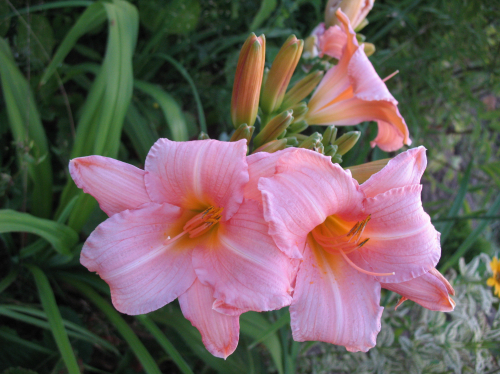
[[227, 233]]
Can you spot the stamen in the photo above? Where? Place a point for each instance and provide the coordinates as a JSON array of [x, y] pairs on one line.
[[390, 76], [339, 244], [199, 224]]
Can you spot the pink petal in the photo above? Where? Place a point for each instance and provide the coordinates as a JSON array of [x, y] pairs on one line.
[[306, 189], [127, 252], [402, 238], [332, 42], [243, 265], [354, 110], [261, 164], [197, 174], [403, 170], [365, 81], [117, 186], [387, 138], [219, 332], [431, 290], [335, 303]]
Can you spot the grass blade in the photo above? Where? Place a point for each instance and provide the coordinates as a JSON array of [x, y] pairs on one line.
[[54, 5], [165, 343], [466, 245], [27, 131], [255, 325], [55, 320], [73, 329], [30, 345], [100, 126], [9, 279], [62, 237], [92, 17], [185, 74], [140, 351], [139, 132], [171, 110], [265, 10], [445, 228], [280, 322]]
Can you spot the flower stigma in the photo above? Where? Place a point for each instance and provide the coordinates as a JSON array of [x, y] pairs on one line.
[[345, 244], [199, 224]]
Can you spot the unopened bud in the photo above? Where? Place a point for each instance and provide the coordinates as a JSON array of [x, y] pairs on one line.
[[337, 159], [271, 147], [248, 80], [297, 127], [347, 141], [280, 74], [369, 49], [203, 136], [243, 132], [301, 89], [331, 150], [273, 128], [311, 47], [299, 111], [292, 141], [313, 142], [364, 171], [362, 25], [329, 136]]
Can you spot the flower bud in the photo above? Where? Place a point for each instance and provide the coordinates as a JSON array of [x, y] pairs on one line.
[[297, 127], [311, 47], [369, 49], [299, 111], [313, 142], [203, 136], [331, 150], [273, 128], [248, 81], [243, 132], [274, 146], [292, 141], [329, 136], [301, 89], [347, 141], [337, 159], [280, 74]]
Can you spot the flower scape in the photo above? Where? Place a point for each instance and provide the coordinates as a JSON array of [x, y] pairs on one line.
[[272, 220]]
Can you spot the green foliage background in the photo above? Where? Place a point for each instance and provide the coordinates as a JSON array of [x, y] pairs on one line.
[[110, 77]]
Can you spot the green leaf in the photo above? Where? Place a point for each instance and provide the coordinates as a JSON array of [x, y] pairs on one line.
[[92, 17], [469, 241], [28, 132], [18, 371], [140, 351], [62, 237], [9, 279], [185, 74], [170, 17], [165, 343], [35, 40], [256, 326], [173, 318], [100, 126], [55, 320], [73, 329], [265, 10], [171, 110], [139, 132], [445, 228]]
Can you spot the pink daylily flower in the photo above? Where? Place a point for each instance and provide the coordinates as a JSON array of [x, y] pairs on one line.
[[352, 92], [182, 228], [351, 239]]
